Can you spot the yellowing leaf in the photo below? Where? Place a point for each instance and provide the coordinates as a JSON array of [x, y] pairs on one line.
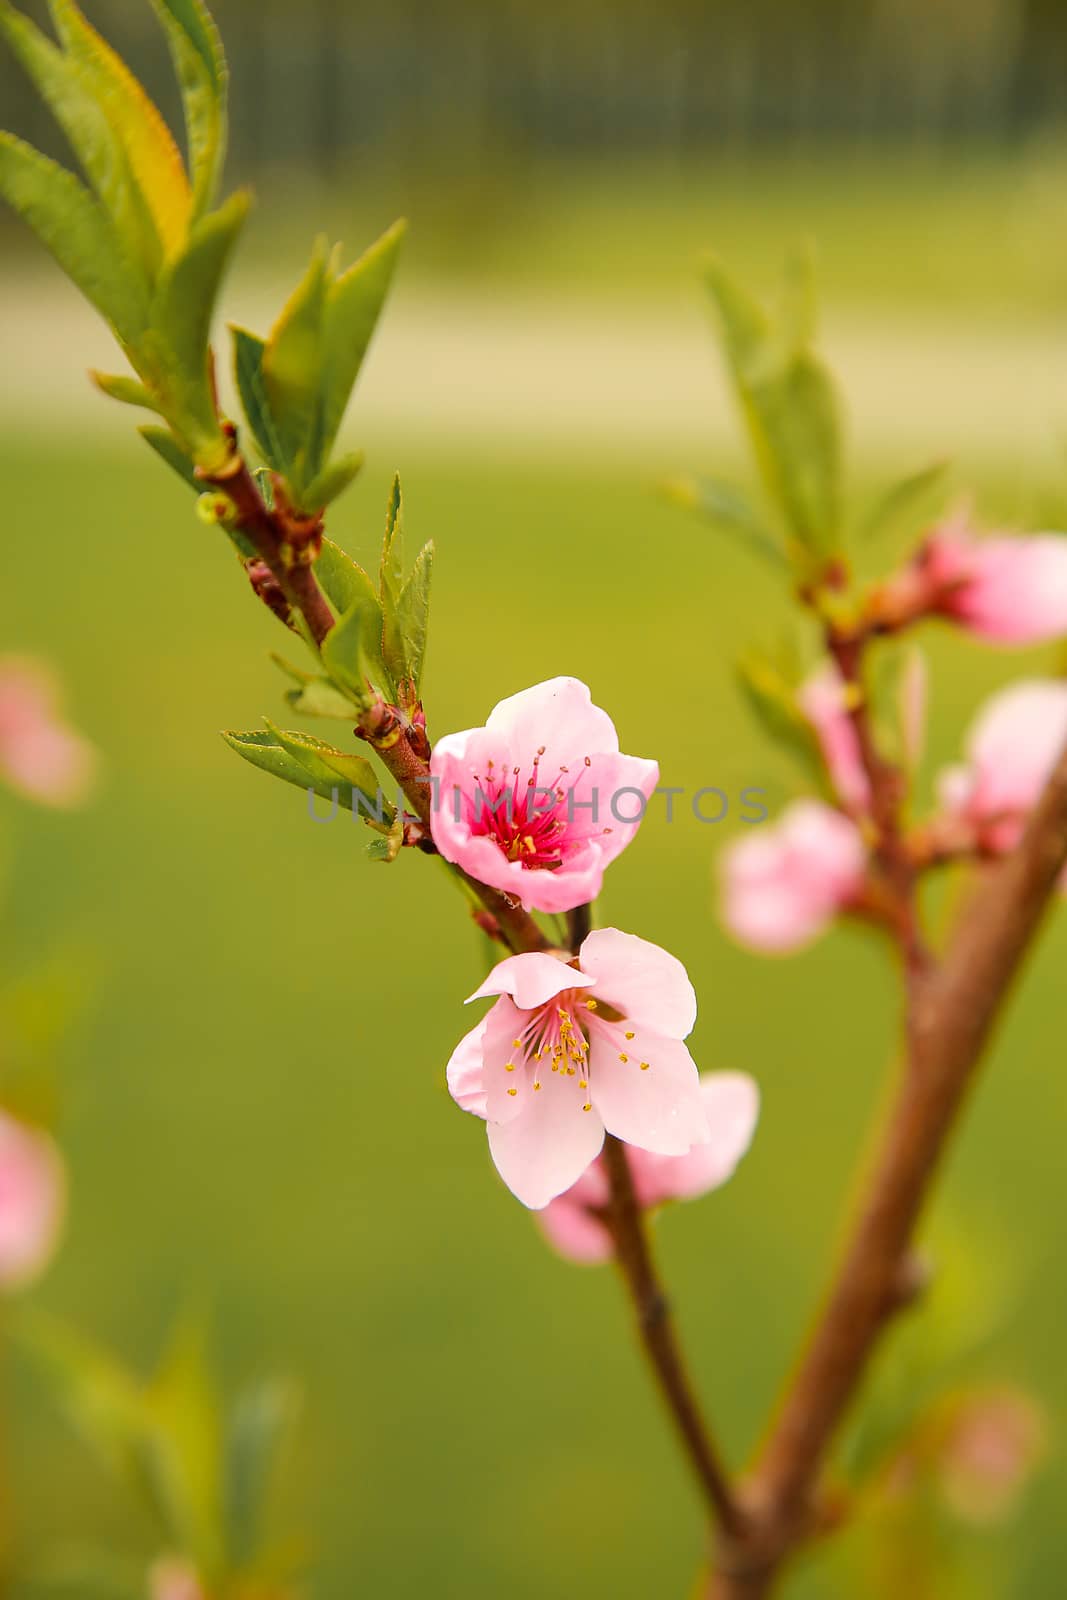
[[196, 49], [150, 148]]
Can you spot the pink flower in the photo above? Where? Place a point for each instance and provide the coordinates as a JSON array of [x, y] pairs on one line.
[[174, 1579], [1008, 590], [822, 700], [539, 801], [32, 1195], [570, 1050], [572, 1223], [39, 754], [1011, 751], [991, 1446], [784, 884]]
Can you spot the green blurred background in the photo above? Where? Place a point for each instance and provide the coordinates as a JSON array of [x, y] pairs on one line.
[[255, 1107]]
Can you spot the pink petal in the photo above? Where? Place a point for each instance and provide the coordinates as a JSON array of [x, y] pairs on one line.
[[32, 1202], [822, 699], [640, 980], [531, 979], [40, 755], [1014, 745], [560, 715], [1016, 592], [465, 1069], [622, 786], [731, 1102], [658, 1107], [784, 884], [541, 1153], [573, 1232], [506, 1091]]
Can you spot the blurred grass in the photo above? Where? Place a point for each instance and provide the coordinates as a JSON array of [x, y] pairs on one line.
[[257, 1111]]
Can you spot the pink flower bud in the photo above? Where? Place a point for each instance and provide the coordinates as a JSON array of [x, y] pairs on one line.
[[32, 1197], [539, 801], [571, 1222], [40, 755], [1008, 590], [785, 883], [822, 700], [1012, 748]]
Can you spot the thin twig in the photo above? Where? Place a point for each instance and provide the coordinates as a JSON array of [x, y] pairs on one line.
[[655, 1327]]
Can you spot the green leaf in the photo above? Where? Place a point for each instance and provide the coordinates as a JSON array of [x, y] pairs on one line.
[[131, 391], [200, 64], [260, 1429], [333, 481], [64, 85], [308, 763], [388, 847], [352, 650], [292, 373], [321, 698], [729, 510], [790, 406], [248, 353], [413, 615], [77, 231], [150, 149], [773, 701], [185, 303], [172, 452], [343, 581], [185, 1448], [798, 307], [907, 506], [354, 305]]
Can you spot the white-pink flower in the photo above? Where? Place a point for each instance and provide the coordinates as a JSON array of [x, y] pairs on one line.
[[823, 701], [1005, 589], [539, 801], [573, 1222], [570, 1050], [40, 755], [1012, 748], [32, 1197], [784, 884]]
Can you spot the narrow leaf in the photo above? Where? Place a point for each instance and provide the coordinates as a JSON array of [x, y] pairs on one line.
[[65, 87], [260, 1428], [248, 353], [292, 371], [308, 764], [343, 581], [185, 1448], [728, 509], [131, 391], [147, 140], [320, 698], [200, 64], [332, 481], [352, 650], [77, 231], [171, 451], [772, 700], [354, 306], [908, 505], [184, 306], [392, 565], [413, 614]]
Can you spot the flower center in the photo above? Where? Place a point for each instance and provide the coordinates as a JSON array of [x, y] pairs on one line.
[[535, 822]]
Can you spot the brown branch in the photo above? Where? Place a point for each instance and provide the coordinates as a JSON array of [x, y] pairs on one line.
[[655, 1328], [955, 1009]]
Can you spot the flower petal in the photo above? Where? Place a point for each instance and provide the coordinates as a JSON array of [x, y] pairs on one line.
[[544, 1151], [531, 979], [465, 1069], [731, 1101], [645, 983], [646, 1089], [504, 1071], [573, 1232], [559, 715]]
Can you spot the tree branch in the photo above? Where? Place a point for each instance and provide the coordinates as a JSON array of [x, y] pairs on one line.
[[954, 1012]]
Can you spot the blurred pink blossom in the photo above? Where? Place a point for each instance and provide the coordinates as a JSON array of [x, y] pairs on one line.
[[32, 1199], [174, 1579], [731, 1100], [539, 801], [1012, 748], [1006, 589], [784, 884], [568, 1051], [992, 1444], [40, 755], [823, 701]]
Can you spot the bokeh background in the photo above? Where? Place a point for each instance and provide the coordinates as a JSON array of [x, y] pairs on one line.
[[255, 1106]]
